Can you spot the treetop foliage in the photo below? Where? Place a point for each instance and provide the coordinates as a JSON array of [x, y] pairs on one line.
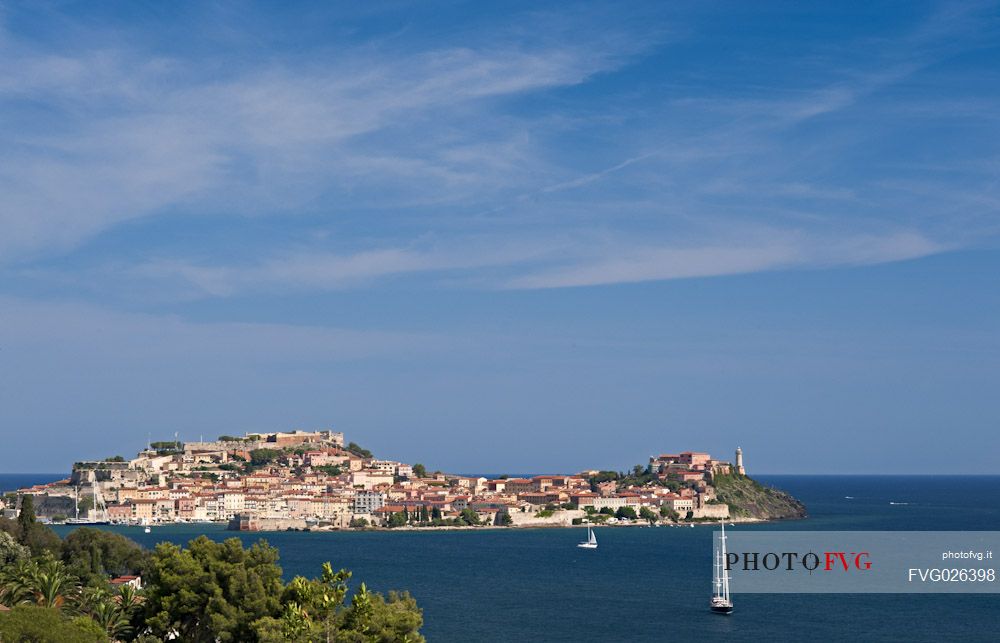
[[209, 591], [356, 449]]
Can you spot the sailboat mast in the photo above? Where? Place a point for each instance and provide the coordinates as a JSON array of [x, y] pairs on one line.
[[725, 572]]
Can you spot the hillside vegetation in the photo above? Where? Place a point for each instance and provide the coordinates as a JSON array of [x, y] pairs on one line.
[[748, 498]]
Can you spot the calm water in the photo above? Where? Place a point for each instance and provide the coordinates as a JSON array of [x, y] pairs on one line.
[[652, 584]]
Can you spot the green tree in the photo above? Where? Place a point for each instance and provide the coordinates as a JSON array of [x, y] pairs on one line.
[[26, 516], [111, 618], [602, 476], [322, 597], [356, 449], [667, 512], [647, 514], [53, 585], [95, 554], [626, 513], [419, 470], [111, 610], [44, 582], [37, 537], [504, 519], [314, 610], [393, 619], [211, 591], [11, 551], [85, 504], [261, 457], [30, 624], [129, 598], [398, 519], [469, 516], [15, 585]]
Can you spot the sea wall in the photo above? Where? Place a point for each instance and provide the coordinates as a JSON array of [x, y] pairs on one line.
[[719, 511], [563, 518], [247, 522]]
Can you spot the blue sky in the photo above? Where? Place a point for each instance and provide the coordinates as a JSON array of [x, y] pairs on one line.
[[518, 237]]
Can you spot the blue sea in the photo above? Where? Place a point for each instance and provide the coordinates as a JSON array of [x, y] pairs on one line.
[[12, 481], [652, 584]]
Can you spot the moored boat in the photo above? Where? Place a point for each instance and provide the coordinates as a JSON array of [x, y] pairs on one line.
[[591, 542], [721, 603]]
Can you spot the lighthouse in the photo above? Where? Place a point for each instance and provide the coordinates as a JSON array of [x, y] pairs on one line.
[[739, 462]]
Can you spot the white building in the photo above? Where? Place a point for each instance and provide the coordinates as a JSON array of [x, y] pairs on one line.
[[365, 501]]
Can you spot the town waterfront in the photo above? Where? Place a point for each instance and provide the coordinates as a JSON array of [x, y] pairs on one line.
[[648, 583]]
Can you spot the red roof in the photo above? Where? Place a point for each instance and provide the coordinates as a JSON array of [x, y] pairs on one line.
[[121, 580]]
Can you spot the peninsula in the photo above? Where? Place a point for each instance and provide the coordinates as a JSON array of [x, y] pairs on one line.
[[313, 480]]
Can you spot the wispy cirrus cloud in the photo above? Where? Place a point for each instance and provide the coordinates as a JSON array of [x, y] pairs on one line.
[[386, 145], [315, 270], [563, 262], [123, 136], [641, 262]]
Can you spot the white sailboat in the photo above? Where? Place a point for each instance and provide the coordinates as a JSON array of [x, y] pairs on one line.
[[591, 542], [721, 603]]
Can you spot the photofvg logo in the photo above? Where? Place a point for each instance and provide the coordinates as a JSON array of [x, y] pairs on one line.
[[759, 561], [828, 561]]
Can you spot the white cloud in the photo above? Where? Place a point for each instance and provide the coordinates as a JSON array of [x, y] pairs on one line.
[[638, 263], [310, 269], [120, 137], [558, 262], [403, 130]]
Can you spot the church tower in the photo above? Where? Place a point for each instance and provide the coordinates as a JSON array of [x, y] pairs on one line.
[[739, 462]]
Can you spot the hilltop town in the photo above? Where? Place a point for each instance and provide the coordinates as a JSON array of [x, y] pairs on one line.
[[313, 480]]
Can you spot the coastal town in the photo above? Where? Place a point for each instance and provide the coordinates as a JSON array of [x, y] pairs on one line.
[[313, 480]]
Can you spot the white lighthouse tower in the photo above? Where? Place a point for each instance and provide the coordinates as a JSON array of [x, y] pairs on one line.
[[739, 462]]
